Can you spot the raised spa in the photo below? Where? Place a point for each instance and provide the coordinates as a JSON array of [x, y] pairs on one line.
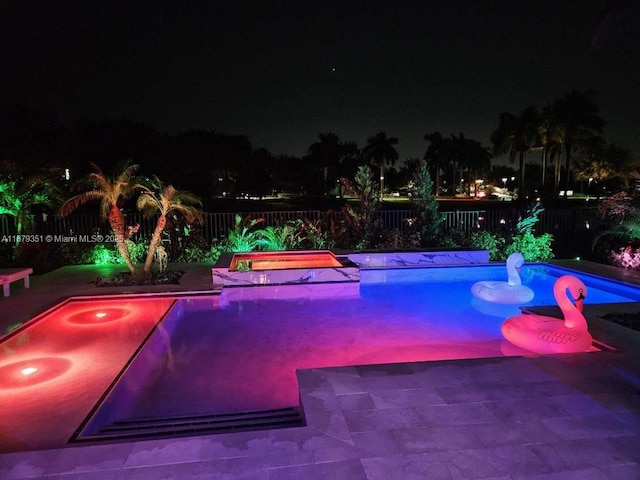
[[283, 268], [283, 260]]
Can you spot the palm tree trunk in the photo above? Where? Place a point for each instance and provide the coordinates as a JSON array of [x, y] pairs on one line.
[[155, 240], [523, 159], [382, 179], [118, 225], [567, 167], [556, 173]]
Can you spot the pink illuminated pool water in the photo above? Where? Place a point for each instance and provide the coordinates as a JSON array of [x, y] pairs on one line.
[[54, 371]]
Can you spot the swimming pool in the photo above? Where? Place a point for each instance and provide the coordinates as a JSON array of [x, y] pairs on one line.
[[238, 352]]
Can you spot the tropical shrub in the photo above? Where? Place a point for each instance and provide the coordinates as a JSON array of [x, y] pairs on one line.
[[401, 240], [196, 249], [622, 212], [429, 221], [215, 250], [533, 248], [628, 257], [19, 195], [362, 222], [278, 238], [244, 235], [528, 222], [101, 254], [495, 243], [314, 235], [137, 251]]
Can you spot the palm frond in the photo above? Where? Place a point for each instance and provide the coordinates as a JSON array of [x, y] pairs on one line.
[[75, 202]]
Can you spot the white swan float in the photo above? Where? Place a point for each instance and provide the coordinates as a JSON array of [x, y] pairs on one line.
[[542, 334], [510, 292]]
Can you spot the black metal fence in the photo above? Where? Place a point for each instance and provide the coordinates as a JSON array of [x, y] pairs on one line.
[[573, 229]]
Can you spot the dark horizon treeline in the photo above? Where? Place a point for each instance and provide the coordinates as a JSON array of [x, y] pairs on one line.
[[207, 163], [543, 145]]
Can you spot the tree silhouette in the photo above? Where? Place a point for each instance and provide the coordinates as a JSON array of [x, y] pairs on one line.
[[516, 135], [435, 155], [550, 140], [577, 115], [333, 156], [598, 161], [380, 151]]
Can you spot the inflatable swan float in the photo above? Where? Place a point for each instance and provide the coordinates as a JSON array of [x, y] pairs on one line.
[[542, 334], [510, 292]]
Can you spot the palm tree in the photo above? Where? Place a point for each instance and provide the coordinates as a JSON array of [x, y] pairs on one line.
[[435, 156], [551, 139], [380, 151], [111, 192], [474, 158], [327, 153], [334, 157], [516, 135], [165, 201], [19, 196], [577, 114]]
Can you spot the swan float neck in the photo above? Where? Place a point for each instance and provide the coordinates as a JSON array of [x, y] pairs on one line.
[[514, 263]]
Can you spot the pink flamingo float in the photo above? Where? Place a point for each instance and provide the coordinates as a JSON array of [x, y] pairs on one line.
[[543, 334]]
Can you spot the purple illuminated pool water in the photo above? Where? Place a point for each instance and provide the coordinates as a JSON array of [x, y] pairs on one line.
[[240, 351]]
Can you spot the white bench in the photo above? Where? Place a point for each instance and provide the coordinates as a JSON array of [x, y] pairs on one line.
[[8, 275]]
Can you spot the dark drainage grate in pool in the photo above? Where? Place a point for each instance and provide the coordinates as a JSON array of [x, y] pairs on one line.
[[196, 425]]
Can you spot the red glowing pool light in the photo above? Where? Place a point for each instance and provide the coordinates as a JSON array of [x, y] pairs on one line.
[[93, 316], [32, 372], [283, 260]]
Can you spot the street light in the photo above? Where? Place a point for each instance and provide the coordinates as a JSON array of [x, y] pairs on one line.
[[504, 182]]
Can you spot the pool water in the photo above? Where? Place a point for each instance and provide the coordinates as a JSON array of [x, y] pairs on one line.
[[240, 351]]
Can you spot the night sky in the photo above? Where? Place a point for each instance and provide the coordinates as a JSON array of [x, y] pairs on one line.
[[281, 72]]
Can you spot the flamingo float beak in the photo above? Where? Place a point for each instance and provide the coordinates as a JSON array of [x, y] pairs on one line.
[[580, 300]]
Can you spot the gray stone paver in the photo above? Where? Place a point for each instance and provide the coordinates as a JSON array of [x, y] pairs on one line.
[[548, 417], [622, 472], [436, 439], [576, 454]]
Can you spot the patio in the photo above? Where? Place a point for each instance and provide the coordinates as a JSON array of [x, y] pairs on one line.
[[540, 417]]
